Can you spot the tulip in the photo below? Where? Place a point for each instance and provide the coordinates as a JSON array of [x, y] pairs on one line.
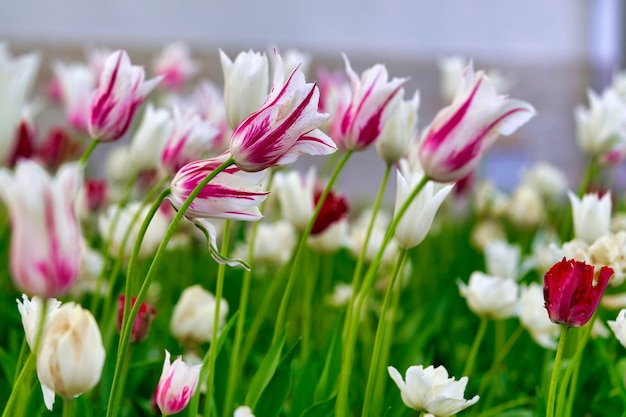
[[491, 297], [572, 291], [142, 323], [175, 66], [601, 127], [191, 138], [373, 100], [246, 81], [232, 194], [284, 127], [333, 210], [17, 76], [502, 259], [334, 99], [150, 138], [208, 101], [274, 243], [295, 194], [193, 316], [592, 215], [30, 311], [24, 143], [120, 92], [431, 390], [77, 82], [177, 385], [525, 208], [71, 355], [610, 250], [399, 131], [243, 411], [462, 132], [548, 180], [46, 246], [416, 222], [58, 147]]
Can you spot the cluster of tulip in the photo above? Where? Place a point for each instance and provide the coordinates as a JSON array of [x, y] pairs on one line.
[[203, 168]]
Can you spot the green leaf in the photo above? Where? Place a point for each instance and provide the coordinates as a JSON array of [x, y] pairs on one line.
[[321, 409], [332, 366], [265, 372], [7, 362], [274, 395]]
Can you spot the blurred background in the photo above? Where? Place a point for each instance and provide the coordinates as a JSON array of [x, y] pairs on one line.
[[549, 51]]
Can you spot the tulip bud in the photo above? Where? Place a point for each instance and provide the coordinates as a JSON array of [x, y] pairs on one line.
[[591, 215], [491, 297], [142, 323], [176, 386], [193, 316], [71, 355]]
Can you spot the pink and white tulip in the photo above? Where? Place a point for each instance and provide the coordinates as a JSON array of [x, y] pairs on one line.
[[120, 92], [232, 194], [177, 385], [285, 126], [46, 249], [190, 140], [175, 65], [462, 132], [373, 99]]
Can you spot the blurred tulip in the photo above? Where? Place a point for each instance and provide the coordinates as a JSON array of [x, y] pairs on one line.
[[144, 318], [175, 65], [150, 138], [194, 314], [46, 237], [591, 215]]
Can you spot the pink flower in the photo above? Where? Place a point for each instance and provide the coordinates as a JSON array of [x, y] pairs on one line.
[[462, 132], [76, 82], [373, 99], [144, 318], [120, 92], [232, 194], [177, 385], [572, 291], [58, 147], [46, 240], [285, 126], [191, 139], [175, 65]]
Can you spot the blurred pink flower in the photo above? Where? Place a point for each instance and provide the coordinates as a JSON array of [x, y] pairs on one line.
[[177, 385]]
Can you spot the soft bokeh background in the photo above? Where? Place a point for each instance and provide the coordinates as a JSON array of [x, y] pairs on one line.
[[552, 51]]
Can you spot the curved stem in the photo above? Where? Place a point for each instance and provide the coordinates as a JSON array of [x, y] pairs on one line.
[[114, 396], [237, 362], [351, 326], [85, 156], [221, 272], [282, 310], [555, 373], [375, 365], [356, 276], [471, 357]]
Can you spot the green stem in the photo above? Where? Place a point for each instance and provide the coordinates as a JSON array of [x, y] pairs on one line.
[[616, 379], [85, 156], [499, 359], [27, 369], [268, 298], [307, 304], [471, 357], [109, 302], [237, 362], [573, 369], [107, 245], [356, 276], [351, 326], [375, 363], [590, 172], [555, 373], [115, 395], [20, 357], [221, 272], [68, 407], [282, 310]]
